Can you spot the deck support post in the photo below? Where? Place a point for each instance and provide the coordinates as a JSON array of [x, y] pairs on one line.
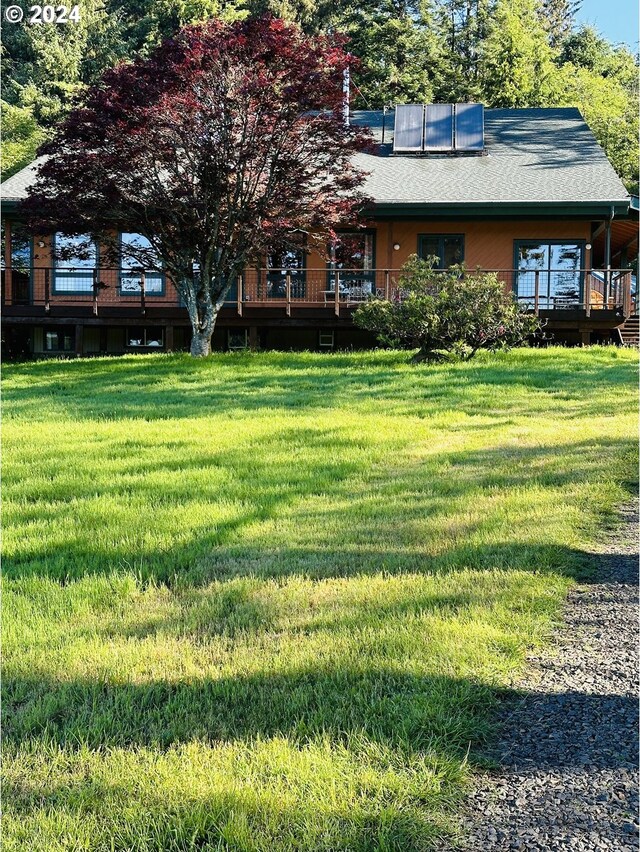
[[79, 339], [239, 294], [336, 292], [253, 338], [168, 338], [585, 337], [387, 291]]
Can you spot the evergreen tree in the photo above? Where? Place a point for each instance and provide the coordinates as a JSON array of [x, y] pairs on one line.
[[518, 68], [558, 18], [463, 26]]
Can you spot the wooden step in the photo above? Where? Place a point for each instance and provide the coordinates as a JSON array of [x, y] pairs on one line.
[[629, 331]]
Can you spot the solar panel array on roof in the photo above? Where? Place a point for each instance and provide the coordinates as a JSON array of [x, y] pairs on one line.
[[436, 128], [469, 127], [408, 128]]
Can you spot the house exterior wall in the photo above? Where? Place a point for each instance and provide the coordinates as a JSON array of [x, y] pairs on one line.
[[488, 243]]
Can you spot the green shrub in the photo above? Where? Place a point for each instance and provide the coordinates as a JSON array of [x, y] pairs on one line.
[[445, 313]]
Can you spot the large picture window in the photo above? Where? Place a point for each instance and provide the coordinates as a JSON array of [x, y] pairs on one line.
[[136, 253], [558, 264], [447, 248], [74, 261]]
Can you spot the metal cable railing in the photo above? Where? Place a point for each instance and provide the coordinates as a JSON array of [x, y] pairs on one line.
[[538, 290]]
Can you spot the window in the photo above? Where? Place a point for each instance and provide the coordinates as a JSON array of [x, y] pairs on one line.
[[326, 340], [558, 265], [59, 340], [75, 259], [136, 254], [278, 264], [138, 336], [237, 338], [448, 248], [352, 257]]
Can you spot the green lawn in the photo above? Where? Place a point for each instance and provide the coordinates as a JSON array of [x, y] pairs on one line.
[[267, 602]]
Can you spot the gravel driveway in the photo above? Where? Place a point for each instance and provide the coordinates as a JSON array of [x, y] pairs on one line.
[[569, 749]]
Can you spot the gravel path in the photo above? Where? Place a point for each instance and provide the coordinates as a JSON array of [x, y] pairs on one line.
[[569, 749]]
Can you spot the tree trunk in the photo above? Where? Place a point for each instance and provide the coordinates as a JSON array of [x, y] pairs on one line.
[[203, 312], [202, 324], [201, 343]]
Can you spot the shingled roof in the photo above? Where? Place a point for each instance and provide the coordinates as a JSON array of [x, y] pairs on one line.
[[15, 188], [536, 161], [532, 157]]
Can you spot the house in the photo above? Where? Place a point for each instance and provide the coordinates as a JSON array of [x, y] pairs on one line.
[[525, 192]]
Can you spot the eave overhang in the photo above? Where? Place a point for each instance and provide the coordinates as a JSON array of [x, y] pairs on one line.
[[499, 210]]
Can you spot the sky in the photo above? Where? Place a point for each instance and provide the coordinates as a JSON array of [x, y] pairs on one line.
[[616, 20]]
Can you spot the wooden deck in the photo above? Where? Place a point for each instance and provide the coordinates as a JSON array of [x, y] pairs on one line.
[[276, 309]]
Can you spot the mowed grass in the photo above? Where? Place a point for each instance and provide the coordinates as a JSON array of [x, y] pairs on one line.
[[267, 602]]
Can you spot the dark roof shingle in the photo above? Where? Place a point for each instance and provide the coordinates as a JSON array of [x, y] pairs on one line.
[[532, 156]]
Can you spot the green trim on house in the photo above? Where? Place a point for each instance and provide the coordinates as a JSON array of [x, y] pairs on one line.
[[497, 210]]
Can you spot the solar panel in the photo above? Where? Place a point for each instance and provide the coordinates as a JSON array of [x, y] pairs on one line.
[[469, 127], [408, 127], [438, 127]]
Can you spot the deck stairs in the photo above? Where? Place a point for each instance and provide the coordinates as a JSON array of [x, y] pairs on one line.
[[629, 331]]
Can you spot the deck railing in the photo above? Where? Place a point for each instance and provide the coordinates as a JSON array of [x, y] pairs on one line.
[[540, 291]]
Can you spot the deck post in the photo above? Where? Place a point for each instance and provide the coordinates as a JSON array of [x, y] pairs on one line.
[[607, 262], [168, 338], [587, 293], [288, 290], [336, 292], [47, 290], [143, 287], [536, 297], [626, 298], [387, 291], [95, 292], [239, 294]]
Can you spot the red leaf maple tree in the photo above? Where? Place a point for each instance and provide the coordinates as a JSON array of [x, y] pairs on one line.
[[219, 148]]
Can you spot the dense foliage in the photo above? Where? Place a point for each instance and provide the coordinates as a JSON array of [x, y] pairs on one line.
[[502, 52], [447, 312], [254, 109]]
